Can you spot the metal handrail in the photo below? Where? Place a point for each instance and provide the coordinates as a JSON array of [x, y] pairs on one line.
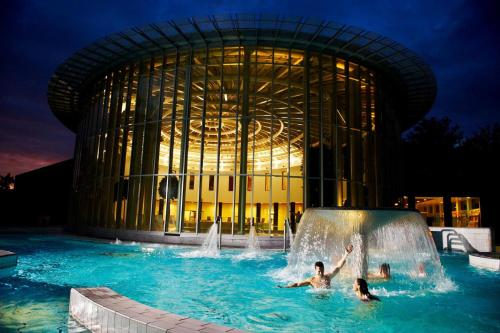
[[285, 233], [218, 220], [287, 230]]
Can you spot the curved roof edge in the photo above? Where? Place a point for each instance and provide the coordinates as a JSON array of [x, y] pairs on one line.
[[368, 48]]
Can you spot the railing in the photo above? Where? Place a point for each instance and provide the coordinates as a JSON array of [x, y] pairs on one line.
[[218, 220], [287, 231]]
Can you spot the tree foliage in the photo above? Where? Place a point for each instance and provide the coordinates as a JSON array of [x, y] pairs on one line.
[[7, 183], [430, 155], [437, 157], [172, 188], [481, 157], [436, 134]]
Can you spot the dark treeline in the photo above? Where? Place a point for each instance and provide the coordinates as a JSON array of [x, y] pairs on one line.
[[435, 152]]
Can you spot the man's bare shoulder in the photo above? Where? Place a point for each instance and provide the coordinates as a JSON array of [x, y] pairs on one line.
[[330, 275]]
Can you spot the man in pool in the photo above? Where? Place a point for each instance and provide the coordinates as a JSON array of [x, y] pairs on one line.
[[322, 280]]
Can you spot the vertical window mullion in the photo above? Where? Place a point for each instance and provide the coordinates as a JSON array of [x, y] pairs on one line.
[[254, 120], [219, 128], [236, 140], [321, 133], [171, 141], [289, 101], [156, 141], [271, 143], [123, 155], [348, 141], [202, 143], [306, 89], [184, 141], [97, 152]]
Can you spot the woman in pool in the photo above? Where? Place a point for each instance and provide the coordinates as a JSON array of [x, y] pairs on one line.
[[383, 274], [360, 287]]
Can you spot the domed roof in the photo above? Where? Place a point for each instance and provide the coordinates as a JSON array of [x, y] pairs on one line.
[[377, 52]]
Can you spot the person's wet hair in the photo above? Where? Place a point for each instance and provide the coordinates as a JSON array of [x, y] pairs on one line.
[[363, 289], [385, 269], [320, 265]]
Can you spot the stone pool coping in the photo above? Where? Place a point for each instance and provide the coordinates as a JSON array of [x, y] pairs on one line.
[[184, 238], [7, 259], [104, 310], [483, 260]]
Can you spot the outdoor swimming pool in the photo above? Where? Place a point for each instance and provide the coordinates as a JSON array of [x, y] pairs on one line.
[[233, 291]]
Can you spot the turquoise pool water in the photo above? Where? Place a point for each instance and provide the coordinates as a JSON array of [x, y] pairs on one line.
[[233, 291]]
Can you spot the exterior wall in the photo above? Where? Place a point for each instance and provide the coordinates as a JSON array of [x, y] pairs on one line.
[[168, 143], [488, 262], [42, 196]]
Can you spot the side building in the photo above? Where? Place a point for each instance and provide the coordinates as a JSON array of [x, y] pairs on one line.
[[246, 118], [43, 196]]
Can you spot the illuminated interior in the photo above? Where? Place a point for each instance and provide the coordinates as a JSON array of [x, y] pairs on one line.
[[236, 132], [465, 211]]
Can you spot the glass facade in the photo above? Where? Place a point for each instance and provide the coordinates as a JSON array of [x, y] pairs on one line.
[[173, 141]]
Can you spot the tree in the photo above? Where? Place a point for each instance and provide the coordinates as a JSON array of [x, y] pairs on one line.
[[430, 154], [434, 131], [480, 158], [172, 189], [7, 183], [481, 171]]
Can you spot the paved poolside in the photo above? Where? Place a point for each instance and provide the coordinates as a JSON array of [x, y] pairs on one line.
[[104, 310]]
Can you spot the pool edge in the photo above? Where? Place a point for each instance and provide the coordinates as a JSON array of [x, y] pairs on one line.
[[102, 309], [7, 259]]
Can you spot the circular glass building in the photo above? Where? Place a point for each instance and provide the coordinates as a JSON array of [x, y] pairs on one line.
[[243, 118]]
